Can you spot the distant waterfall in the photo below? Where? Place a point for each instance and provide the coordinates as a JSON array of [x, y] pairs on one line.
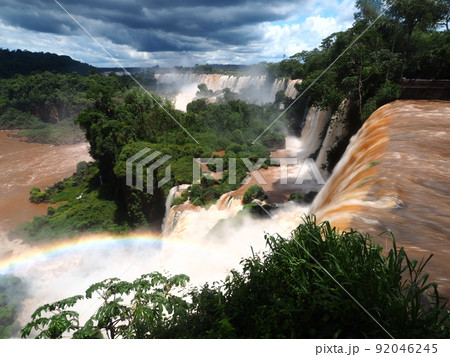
[[214, 82], [252, 88]]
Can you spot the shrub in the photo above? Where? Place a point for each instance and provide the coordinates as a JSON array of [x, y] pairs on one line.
[[257, 210], [303, 198], [234, 148], [81, 166], [304, 286], [253, 192], [183, 198], [36, 196], [50, 211]]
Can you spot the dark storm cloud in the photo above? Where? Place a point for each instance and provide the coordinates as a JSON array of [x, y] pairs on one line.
[[155, 25]]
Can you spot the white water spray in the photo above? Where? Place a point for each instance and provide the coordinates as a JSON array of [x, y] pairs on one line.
[[252, 88], [190, 246]]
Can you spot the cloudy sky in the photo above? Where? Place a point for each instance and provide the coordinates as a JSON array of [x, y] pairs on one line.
[[172, 32]]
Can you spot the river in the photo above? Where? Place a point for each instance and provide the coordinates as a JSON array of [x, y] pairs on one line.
[[393, 176], [25, 165]]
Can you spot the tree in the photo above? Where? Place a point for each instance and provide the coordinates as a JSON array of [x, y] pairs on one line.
[[254, 192], [288, 291], [368, 9], [155, 303], [445, 4], [423, 14], [203, 91]]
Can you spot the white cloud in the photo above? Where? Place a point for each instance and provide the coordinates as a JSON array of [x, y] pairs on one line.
[[320, 26], [286, 40], [316, 20]]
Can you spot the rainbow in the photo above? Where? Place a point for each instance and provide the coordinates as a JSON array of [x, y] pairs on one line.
[[96, 242]]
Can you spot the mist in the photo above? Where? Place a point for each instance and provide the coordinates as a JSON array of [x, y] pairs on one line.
[[253, 87], [204, 243], [192, 248]]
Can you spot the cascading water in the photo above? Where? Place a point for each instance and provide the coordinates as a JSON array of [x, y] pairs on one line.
[[316, 120], [171, 215], [253, 88], [290, 90], [57, 270], [375, 157], [179, 220], [394, 177]]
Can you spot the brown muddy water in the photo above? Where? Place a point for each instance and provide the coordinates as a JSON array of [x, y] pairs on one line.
[[395, 176], [25, 165]]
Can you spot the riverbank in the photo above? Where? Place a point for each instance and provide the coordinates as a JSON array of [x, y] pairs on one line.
[[61, 133], [25, 165]]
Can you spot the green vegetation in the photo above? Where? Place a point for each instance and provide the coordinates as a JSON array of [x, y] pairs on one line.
[[118, 131], [98, 199], [12, 291], [286, 292], [256, 209], [38, 196], [303, 198], [25, 63], [82, 205], [183, 198], [47, 103], [407, 41], [254, 192]]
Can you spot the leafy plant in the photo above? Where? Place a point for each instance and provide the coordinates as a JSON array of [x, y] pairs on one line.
[[135, 309], [12, 293], [254, 192], [318, 283], [38, 196]]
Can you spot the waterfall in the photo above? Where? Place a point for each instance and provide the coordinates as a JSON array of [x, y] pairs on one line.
[[170, 197], [278, 84], [290, 90], [178, 220], [252, 88], [170, 214], [197, 221], [315, 122], [337, 129], [394, 177]]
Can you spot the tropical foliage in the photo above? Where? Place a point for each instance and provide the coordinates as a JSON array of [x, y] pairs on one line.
[[119, 127], [47, 103], [365, 65], [26, 62], [254, 192], [307, 286], [12, 294]]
